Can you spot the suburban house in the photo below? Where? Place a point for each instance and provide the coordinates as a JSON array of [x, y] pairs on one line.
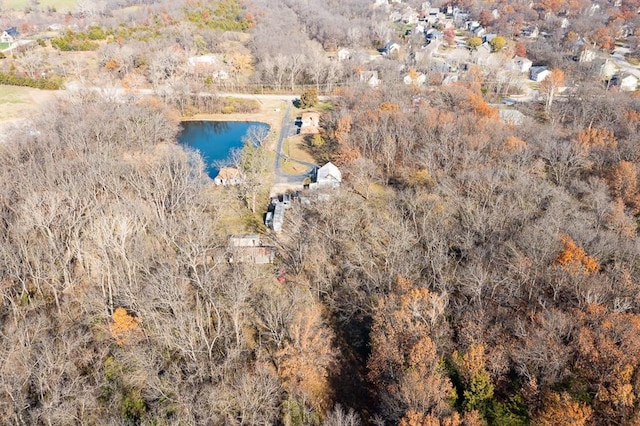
[[220, 75], [530, 32], [228, 176], [309, 123], [9, 35], [208, 64], [433, 15], [478, 31], [344, 54], [608, 69], [389, 48], [449, 79], [624, 82], [410, 16], [488, 37], [203, 60], [521, 64], [587, 55], [432, 35], [370, 77], [328, 176], [249, 249], [538, 73]]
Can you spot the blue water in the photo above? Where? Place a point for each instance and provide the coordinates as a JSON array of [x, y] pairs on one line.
[[215, 139]]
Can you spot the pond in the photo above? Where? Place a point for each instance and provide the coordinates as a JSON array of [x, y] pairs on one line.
[[215, 139]]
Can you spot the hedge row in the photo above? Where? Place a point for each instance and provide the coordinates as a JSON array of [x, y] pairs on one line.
[[41, 83]]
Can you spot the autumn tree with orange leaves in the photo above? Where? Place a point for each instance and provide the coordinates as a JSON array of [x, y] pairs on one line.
[[307, 358], [623, 181], [607, 358], [562, 410], [404, 364], [574, 259], [125, 326]]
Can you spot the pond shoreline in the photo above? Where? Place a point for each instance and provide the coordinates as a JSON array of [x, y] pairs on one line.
[[215, 140]]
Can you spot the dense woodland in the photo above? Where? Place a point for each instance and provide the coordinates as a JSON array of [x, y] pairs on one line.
[[467, 272]]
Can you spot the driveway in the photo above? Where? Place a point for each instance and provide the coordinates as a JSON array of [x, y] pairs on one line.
[[289, 129]]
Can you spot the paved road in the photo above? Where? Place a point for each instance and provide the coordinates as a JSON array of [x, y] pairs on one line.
[[288, 129], [115, 91], [618, 57]]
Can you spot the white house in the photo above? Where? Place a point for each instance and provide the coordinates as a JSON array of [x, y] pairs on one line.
[[478, 31], [530, 32], [410, 16], [203, 60], [521, 64], [220, 75], [608, 69], [344, 54], [208, 64], [539, 73], [370, 77], [625, 82], [328, 176], [587, 55], [9, 35], [390, 47], [228, 176]]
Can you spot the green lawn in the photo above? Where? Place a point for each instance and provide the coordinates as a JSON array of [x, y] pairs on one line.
[[59, 5], [4, 45]]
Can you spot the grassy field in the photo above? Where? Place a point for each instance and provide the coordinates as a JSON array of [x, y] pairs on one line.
[[22, 102], [294, 147], [59, 5], [12, 95], [13, 101], [292, 168]]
